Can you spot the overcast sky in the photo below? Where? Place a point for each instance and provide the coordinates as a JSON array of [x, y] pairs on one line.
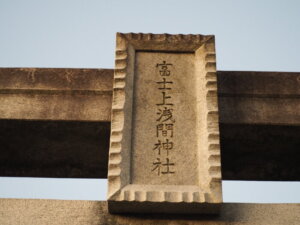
[[261, 35]]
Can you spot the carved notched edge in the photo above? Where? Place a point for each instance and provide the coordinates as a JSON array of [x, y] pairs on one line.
[[162, 42], [117, 119], [212, 121]]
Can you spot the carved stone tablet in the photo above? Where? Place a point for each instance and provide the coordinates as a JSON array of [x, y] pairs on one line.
[[164, 150]]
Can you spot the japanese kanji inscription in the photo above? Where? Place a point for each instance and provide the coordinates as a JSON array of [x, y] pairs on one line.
[[164, 149]]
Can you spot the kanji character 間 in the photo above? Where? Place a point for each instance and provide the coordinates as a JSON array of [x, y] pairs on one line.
[[164, 129]]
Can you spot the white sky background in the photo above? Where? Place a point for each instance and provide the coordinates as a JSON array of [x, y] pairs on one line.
[[257, 35]]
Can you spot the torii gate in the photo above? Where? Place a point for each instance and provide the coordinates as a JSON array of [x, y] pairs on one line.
[[253, 106]]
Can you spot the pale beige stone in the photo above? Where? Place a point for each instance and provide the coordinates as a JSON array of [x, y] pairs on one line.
[[164, 149], [66, 212], [55, 94], [245, 97]]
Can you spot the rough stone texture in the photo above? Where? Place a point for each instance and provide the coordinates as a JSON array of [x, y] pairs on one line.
[[55, 94], [259, 97], [83, 151], [164, 150], [61, 212], [71, 94]]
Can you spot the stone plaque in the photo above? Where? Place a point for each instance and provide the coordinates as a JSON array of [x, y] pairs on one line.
[[164, 150]]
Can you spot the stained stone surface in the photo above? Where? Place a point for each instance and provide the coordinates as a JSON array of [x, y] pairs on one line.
[[258, 114], [164, 148], [66, 212], [149, 142]]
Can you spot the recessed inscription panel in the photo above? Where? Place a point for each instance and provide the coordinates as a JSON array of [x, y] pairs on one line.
[[164, 152], [164, 146]]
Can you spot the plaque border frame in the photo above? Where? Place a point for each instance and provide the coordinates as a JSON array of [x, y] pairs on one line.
[[119, 168]]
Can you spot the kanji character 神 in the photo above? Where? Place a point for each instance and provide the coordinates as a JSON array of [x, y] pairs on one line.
[[167, 145]]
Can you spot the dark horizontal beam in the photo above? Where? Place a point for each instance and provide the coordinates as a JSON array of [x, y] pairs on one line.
[[70, 149], [260, 152], [38, 212], [259, 97], [55, 123], [77, 149]]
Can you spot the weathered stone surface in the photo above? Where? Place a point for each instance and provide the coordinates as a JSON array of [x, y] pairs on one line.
[[55, 94], [164, 151], [245, 97], [62, 212], [272, 134], [248, 97]]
